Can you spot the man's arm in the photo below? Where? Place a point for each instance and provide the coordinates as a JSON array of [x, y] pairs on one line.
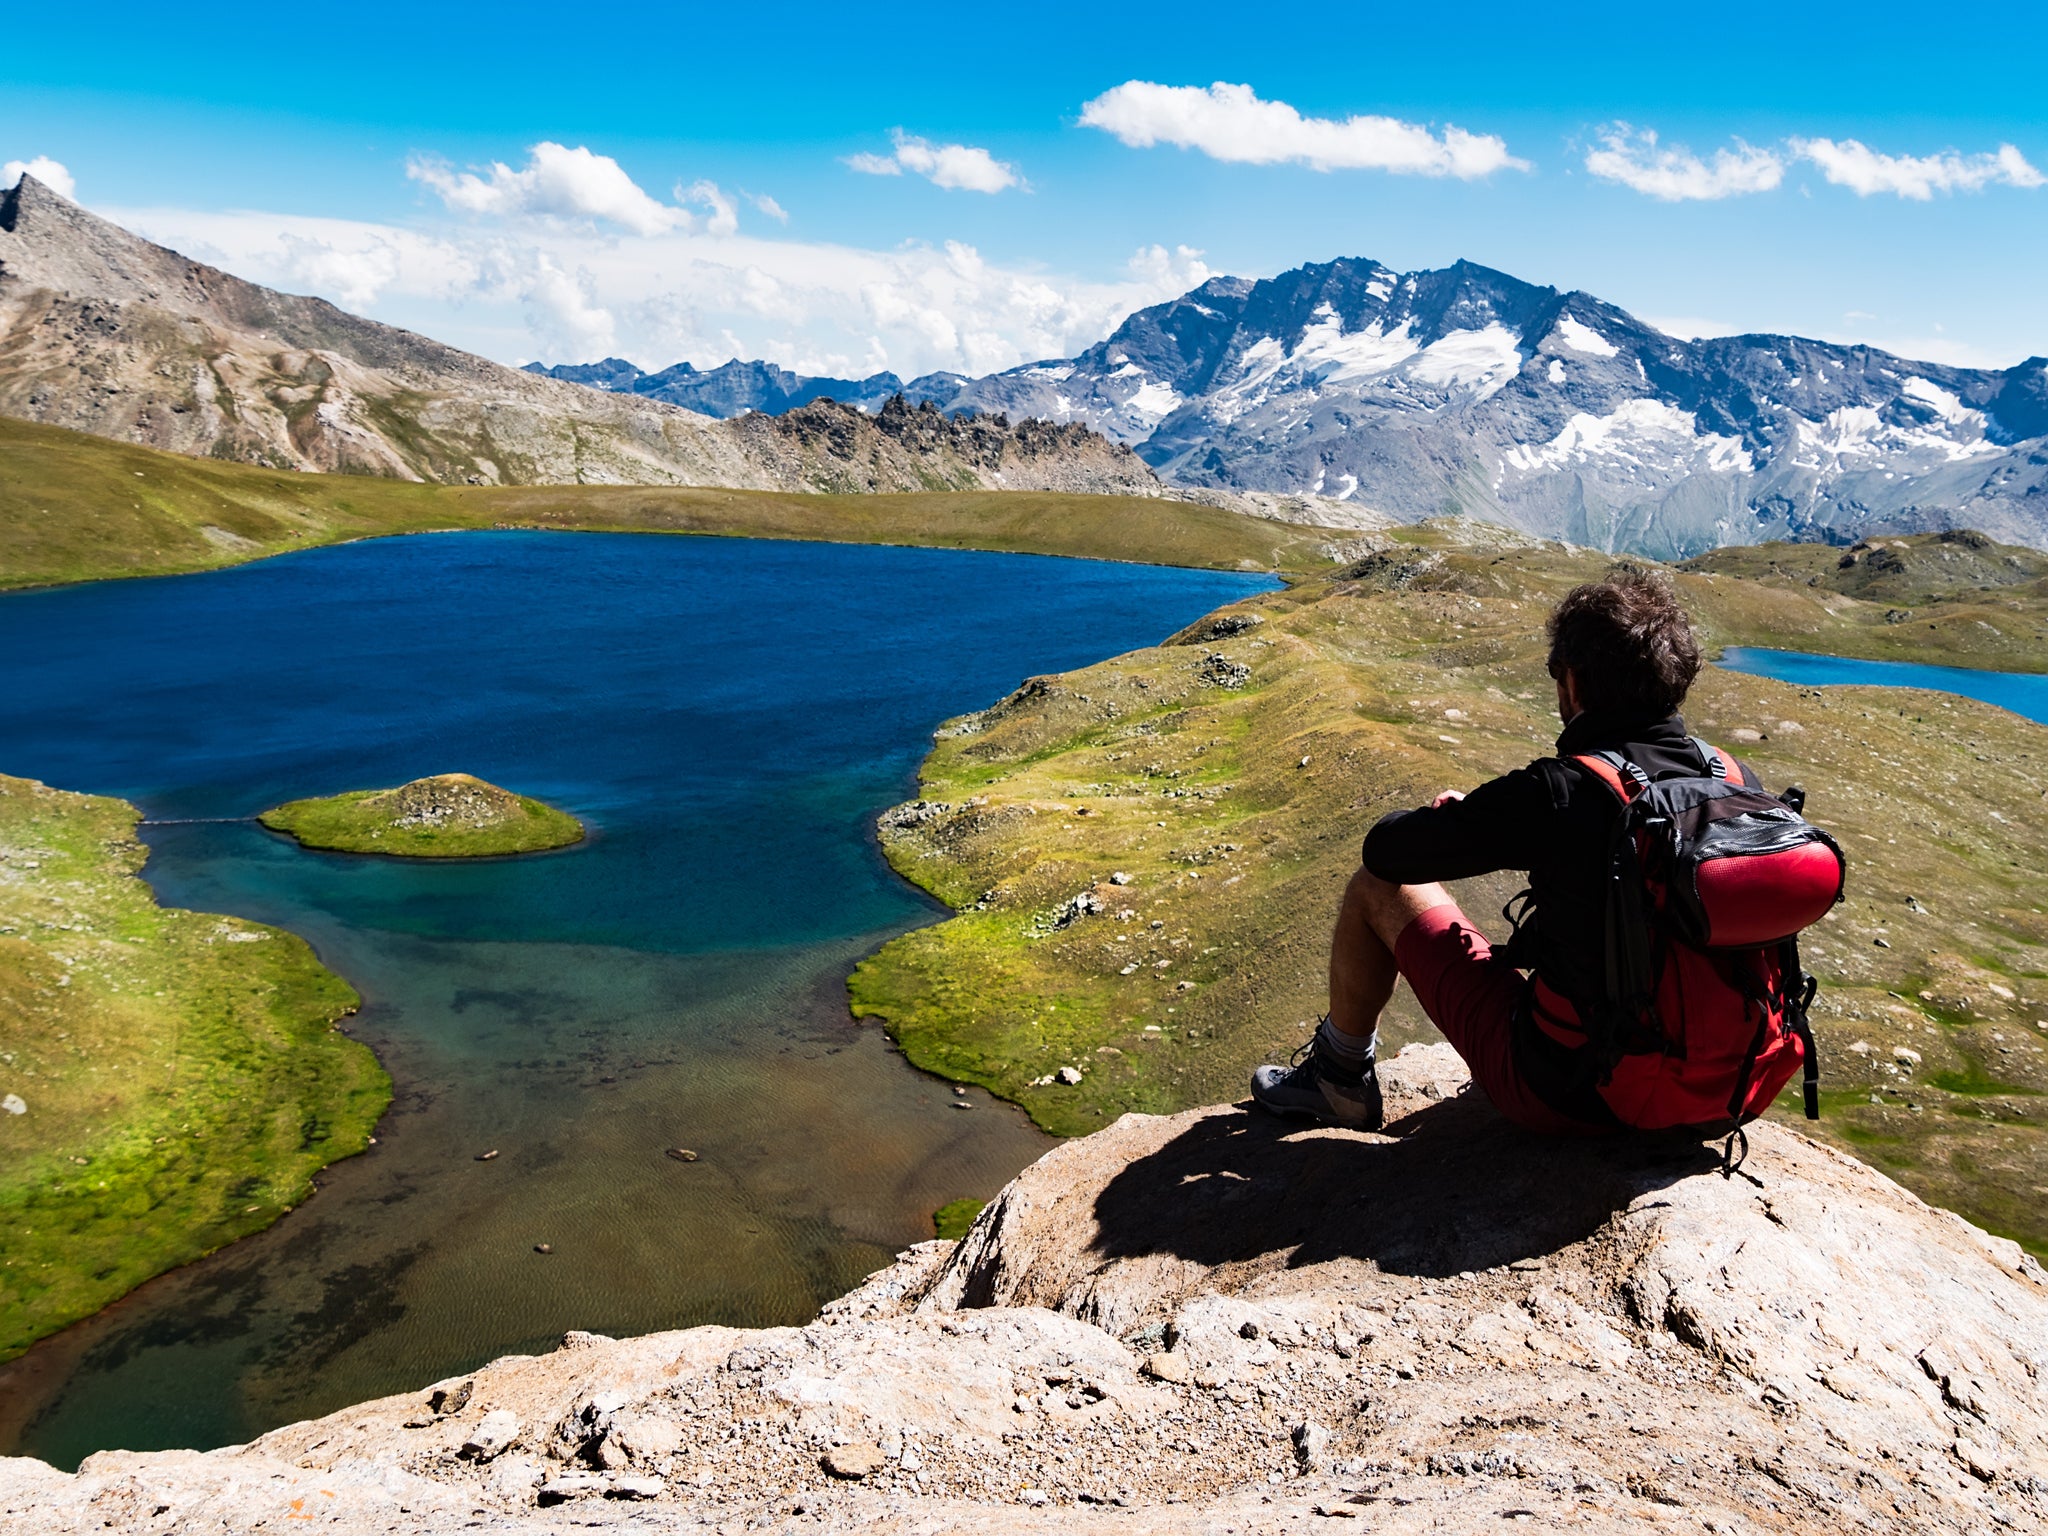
[[1499, 825]]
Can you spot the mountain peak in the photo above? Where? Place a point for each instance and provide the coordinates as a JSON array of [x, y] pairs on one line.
[[111, 334]]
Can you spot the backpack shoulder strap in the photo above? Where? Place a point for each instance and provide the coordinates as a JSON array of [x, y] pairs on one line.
[[1719, 764], [1620, 775]]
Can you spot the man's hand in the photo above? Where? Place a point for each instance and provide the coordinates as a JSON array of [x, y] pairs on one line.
[[1446, 798]]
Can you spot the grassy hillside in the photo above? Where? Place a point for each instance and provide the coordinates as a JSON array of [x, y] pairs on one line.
[[1228, 779], [1954, 598], [76, 508], [169, 1080]]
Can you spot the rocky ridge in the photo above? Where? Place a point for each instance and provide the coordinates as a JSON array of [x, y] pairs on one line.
[[104, 332], [736, 387], [829, 446], [1215, 1322]]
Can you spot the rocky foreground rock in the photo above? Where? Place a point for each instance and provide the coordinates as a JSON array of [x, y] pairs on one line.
[[1214, 1322]]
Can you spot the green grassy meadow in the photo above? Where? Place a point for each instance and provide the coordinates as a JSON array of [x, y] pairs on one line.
[[179, 1077]]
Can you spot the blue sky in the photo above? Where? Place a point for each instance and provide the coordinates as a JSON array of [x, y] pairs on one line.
[[1828, 170]]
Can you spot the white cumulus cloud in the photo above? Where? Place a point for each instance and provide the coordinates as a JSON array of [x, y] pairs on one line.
[[1636, 158], [557, 182], [561, 310], [956, 167], [1864, 171], [49, 172], [562, 290], [1675, 174], [769, 206], [1231, 122], [724, 217]]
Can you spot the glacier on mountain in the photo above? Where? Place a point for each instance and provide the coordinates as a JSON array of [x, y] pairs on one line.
[[1645, 437]]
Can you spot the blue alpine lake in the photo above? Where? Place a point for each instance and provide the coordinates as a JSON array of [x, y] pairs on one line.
[[726, 716], [2024, 693]]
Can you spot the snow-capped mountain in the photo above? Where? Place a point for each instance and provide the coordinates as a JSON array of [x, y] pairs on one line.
[[1467, 390]]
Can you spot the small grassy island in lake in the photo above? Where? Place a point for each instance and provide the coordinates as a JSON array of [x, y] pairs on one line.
[[443, 816]]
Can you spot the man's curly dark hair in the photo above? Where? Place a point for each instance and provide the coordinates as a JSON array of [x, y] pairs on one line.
[[1627, 642]]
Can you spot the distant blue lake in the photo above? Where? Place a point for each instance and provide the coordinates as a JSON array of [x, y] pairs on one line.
[[726, 716], [2024, 693]]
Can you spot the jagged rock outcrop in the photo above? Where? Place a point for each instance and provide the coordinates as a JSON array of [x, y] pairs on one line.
[[829, 446], [1214, 1322], [104, 332]]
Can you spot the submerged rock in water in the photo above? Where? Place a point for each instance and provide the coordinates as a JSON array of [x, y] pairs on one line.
[[1216, 1318]]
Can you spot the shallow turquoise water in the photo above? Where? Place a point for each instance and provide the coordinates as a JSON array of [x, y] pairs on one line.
[[727, 716], [2024, 693]]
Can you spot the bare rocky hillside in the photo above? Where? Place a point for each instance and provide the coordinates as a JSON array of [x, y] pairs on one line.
[[833, 447], [104, 332], [1211, 1323]]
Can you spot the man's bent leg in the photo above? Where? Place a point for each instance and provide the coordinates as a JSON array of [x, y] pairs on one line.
[[1333, 1079], [1370, 922]]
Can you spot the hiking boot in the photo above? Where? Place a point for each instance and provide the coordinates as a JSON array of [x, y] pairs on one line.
[[1318, 1087]]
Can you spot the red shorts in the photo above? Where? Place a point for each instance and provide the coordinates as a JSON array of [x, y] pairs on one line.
[[1472, 1000]]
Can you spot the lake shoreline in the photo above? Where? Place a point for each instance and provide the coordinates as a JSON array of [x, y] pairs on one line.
[[857, 1218]]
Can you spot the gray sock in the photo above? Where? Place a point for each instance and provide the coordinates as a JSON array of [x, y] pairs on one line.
[[1354, 1052]]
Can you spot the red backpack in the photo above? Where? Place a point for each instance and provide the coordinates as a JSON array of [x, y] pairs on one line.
[[1703, 1019]]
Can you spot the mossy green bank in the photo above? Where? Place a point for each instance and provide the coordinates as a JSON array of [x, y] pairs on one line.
[[951, 1220], [170, 1080]]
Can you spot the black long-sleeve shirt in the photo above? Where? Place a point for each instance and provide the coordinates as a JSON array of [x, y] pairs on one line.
[[1552, 819]]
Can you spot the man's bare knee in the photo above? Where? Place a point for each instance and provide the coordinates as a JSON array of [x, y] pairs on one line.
[[1388, 908]]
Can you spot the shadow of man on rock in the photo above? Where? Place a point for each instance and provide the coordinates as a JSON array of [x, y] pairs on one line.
[[1448, 1188]]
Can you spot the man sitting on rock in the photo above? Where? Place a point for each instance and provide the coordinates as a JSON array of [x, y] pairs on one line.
[[1623, 656]]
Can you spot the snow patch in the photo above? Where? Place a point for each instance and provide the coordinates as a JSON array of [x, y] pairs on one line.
[[1856, 435], [1332, 356], [1484, 359], [1154, 401], [1574, 335], [1059, 374], [1945, 405], [1556, 371], [1638, 434]]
